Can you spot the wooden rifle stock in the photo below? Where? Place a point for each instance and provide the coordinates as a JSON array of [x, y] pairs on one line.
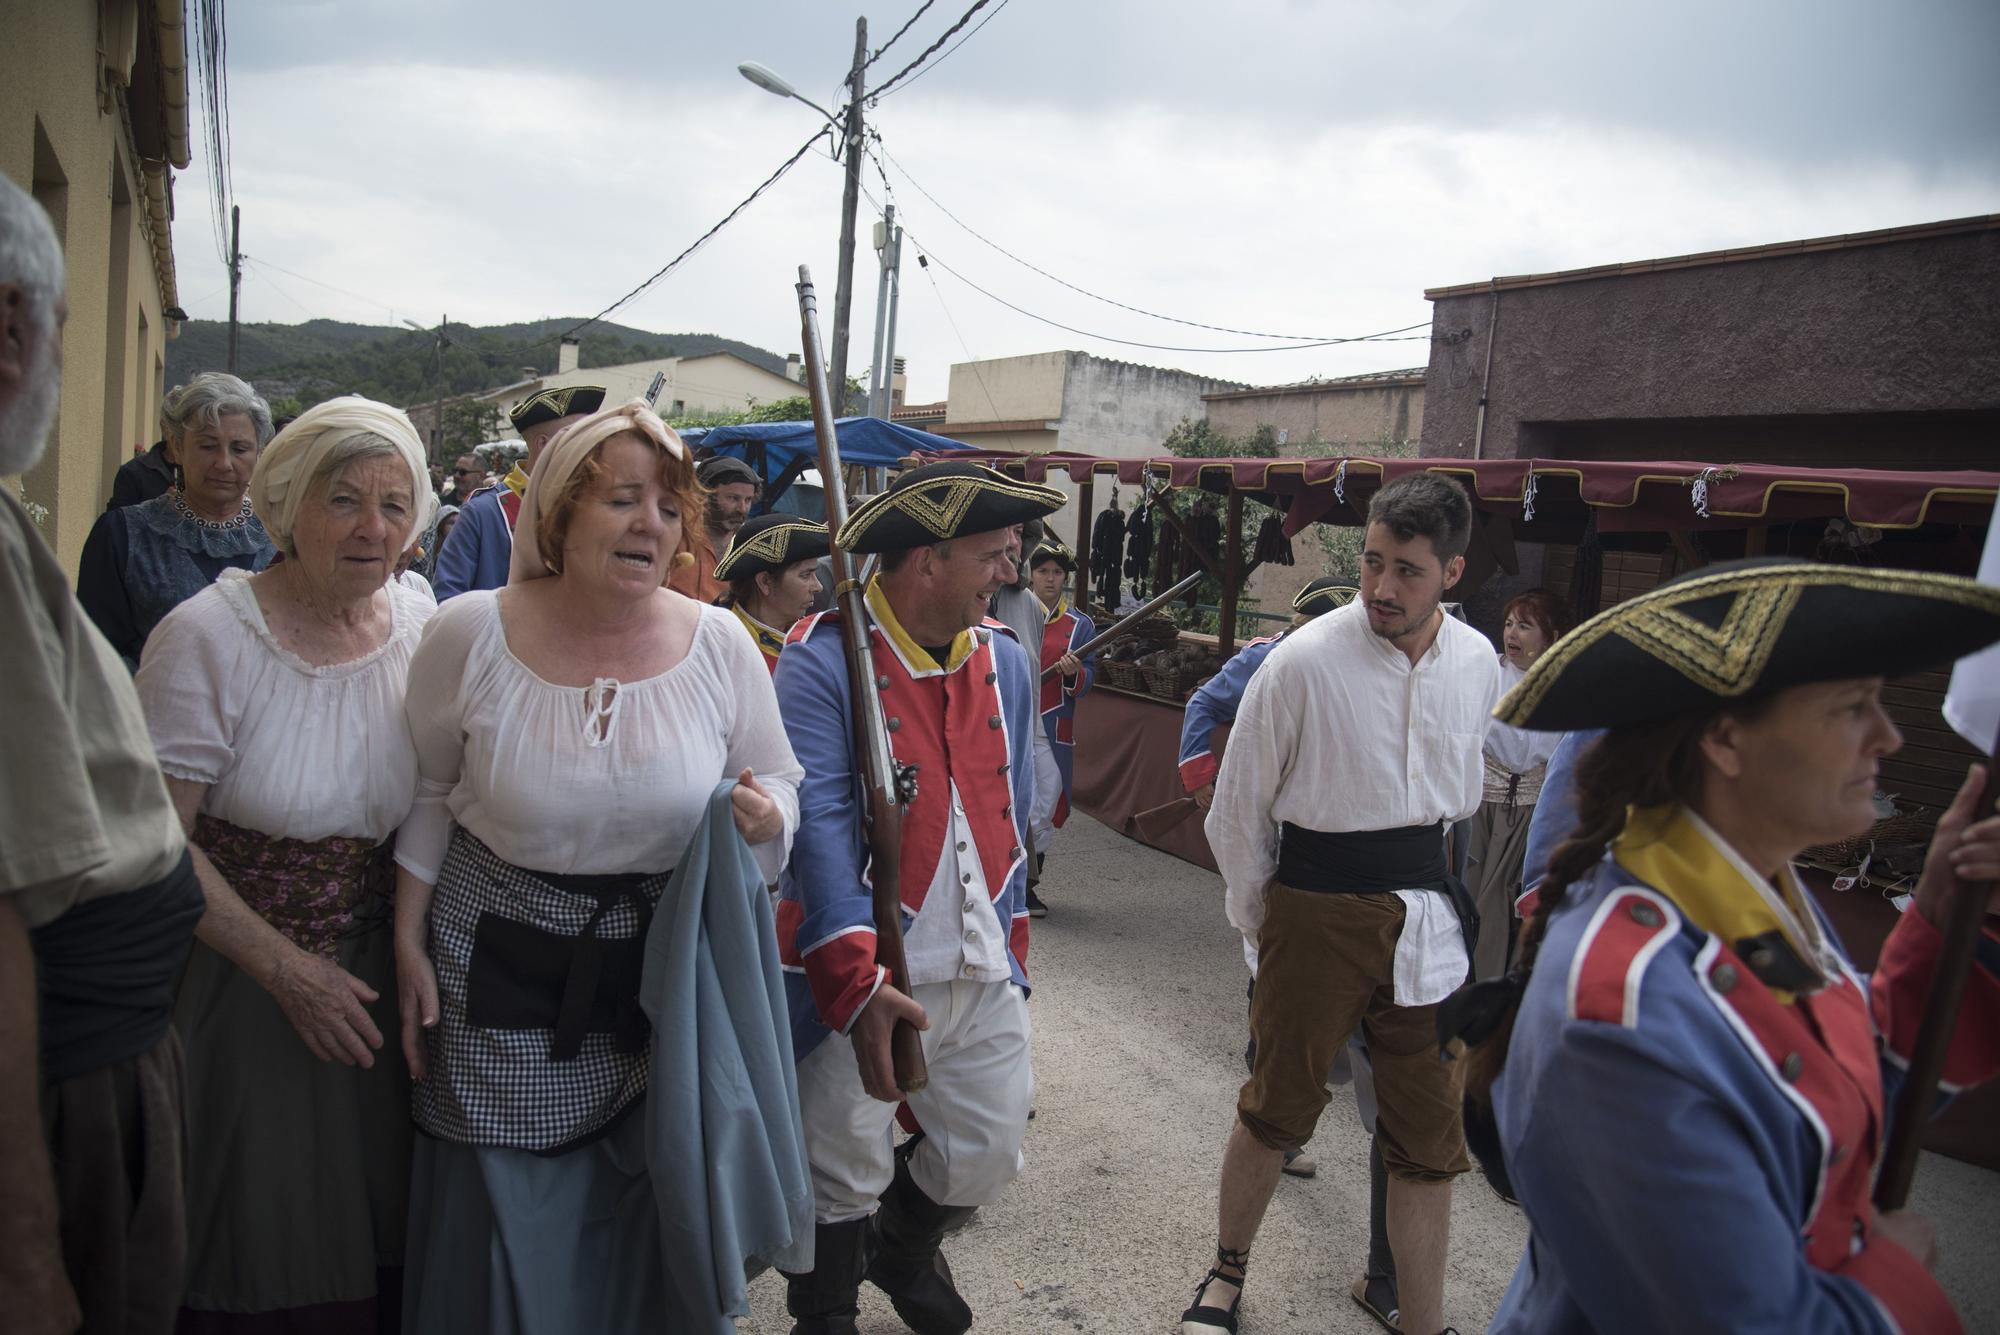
[[889, 787], [1161, 820]]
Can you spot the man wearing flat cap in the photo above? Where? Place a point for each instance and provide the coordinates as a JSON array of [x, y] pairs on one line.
[[958, 691], [481, 544], [772, 575], [732, 487]]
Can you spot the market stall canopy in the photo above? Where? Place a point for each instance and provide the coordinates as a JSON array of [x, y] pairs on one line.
[[1623, 496], [774, 447]]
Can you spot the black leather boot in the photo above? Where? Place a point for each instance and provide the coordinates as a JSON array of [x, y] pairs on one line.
[[827, 1300], [908, 1265]]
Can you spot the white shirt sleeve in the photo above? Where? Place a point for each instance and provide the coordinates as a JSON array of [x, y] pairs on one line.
[[433, 705], [757, 742], [1242, 831], [186, 672]]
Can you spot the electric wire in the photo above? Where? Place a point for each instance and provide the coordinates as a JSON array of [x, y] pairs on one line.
[[1400, 335], [882, 89], [1063, 282], [960, 42], [260, 262], [899, 32]]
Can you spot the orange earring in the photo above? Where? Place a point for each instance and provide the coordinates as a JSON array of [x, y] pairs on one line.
[[682, 560]]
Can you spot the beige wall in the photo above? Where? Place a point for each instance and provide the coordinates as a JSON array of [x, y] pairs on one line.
[[1009, 389], [719, 382], [56, 140], [1339, 419]]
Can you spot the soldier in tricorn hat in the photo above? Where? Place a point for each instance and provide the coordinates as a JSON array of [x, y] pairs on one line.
[[482, 542], [959, 694]]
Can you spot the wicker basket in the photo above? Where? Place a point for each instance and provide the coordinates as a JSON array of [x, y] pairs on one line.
[[1121, 676]]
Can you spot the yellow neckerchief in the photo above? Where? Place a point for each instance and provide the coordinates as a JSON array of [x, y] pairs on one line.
[[770, 641], [516, 481], [914, 654], [1679, 854], [1059, 611]]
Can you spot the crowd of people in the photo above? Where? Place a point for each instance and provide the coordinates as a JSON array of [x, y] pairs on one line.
[[461, 916]]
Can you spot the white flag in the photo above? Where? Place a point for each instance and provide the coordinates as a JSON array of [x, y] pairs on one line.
[[1972, 705]]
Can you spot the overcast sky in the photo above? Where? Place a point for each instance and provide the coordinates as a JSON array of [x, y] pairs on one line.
[[1296, 168]]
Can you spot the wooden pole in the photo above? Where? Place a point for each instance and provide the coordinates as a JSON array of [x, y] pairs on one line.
[[1085, 504], [1232, 573]]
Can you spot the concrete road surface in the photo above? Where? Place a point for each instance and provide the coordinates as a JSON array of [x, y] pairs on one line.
[[1139, 1027]]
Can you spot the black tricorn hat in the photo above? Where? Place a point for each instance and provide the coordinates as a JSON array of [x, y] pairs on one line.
[[1744, 629], [770, 543], [549, 404], [1052, 549], [942, 501], [1323, 595]]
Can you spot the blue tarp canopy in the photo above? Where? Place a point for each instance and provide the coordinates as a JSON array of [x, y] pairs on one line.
[[865, 442]]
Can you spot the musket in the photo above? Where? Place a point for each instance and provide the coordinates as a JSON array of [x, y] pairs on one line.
[[1963, 914], [653, 390], [888, 787], [1131, 619], [1155, 823]]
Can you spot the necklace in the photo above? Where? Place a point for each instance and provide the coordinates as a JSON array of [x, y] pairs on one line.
[[244, 513]]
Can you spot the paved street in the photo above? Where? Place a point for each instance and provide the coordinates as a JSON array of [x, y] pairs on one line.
[[1138, 1015]]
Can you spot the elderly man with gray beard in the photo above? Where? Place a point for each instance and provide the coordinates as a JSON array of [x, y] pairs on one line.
[[98, 902]]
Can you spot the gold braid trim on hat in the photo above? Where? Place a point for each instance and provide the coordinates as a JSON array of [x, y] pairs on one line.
[[939, 506], [1726, 660], [769, 544]]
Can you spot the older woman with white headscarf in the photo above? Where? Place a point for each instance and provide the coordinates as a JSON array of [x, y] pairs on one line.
[[275, 702], [571, 729]]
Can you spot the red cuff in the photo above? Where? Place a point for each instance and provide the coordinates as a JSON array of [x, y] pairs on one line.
[[1908, 1293], [1017, 940], [843, 975], [1197, 772], [1901, 986]]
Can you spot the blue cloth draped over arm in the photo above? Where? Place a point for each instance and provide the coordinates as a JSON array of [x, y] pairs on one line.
[[725, 1146]]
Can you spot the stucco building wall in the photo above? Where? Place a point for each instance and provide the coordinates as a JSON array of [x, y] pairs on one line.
[[66, 136]]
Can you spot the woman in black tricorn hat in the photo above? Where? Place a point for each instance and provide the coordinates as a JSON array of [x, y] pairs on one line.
[[1697, 1084], [772, 570]]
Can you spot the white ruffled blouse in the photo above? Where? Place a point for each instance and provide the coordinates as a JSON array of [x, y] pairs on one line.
[[287, 749], [607, 778]]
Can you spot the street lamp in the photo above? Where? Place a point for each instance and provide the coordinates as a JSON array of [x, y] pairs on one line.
[[843, 295]]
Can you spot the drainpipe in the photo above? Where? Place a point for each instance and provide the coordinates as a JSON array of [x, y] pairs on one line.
[[1486, 377]]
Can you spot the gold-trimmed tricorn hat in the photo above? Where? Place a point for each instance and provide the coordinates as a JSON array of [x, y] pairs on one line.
[[1743, 629], [769, 543], [549, 404], [941, 501], [1052, 549], [1323, 595]]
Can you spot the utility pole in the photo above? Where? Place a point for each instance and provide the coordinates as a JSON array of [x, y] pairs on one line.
[[878, 372], [843, 295], [889, 338], [235, 276], [437, 409]]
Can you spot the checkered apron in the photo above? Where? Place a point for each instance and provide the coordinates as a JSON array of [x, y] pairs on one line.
[[540, 1042]]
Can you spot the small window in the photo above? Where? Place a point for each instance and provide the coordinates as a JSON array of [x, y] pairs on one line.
[[680, 408]]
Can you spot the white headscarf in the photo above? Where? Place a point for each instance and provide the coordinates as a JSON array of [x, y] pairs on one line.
[[288, 465], [560, 459]]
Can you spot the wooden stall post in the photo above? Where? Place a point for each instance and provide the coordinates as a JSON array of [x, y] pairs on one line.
[[1085, 505], [1232, 573]]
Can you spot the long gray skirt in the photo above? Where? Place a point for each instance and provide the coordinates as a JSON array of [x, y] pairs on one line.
[[517, 1243], [298, 1169], [1498, 847]]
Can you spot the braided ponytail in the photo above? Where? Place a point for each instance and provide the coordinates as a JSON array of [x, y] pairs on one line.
[[1641, 765]]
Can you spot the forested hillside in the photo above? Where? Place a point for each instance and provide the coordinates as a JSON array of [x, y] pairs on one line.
[[296, 366]]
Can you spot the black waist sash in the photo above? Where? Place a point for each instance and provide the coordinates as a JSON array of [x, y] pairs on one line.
[[526, 977], [107, 971], [1370, 862], [1362, 861]]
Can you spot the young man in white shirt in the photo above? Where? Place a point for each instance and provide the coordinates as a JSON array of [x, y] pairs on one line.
[[1356, 745]]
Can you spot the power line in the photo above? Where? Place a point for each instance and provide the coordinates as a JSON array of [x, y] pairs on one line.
[[972, 358], [695, 245], [1063, 282], [260, 262], [899, 32], [882, 89], [1386, 336], [961, 42]]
